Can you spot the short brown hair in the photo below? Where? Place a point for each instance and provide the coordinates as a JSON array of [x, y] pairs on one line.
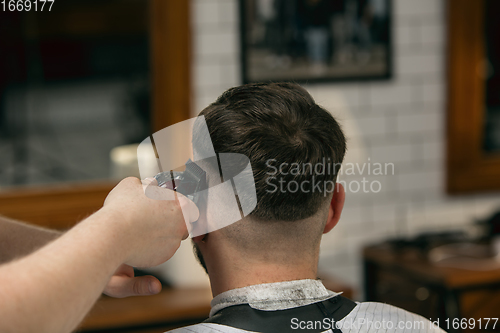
[[277, 122]]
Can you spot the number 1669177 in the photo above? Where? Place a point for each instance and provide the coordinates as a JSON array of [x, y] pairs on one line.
[[26, 5]]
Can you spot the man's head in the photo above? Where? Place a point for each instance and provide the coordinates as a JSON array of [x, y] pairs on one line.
[[293, 145]]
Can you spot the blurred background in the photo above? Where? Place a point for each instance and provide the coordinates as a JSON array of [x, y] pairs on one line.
[[74, 84], [80, 85]]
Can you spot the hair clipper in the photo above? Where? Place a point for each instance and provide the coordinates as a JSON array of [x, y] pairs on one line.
[[188, 182]]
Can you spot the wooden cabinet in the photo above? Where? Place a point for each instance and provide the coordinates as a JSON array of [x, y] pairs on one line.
[[405, 278]]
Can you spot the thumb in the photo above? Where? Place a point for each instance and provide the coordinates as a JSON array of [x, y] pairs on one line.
[[125, 286]]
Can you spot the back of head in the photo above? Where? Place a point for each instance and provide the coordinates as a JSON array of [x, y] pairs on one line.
[[295, 149]]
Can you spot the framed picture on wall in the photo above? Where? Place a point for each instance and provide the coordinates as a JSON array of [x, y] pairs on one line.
[[315, 40]]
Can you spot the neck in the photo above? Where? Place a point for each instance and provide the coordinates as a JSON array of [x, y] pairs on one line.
[[231, 276]]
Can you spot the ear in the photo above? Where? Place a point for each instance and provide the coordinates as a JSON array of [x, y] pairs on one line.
[[336, 206]]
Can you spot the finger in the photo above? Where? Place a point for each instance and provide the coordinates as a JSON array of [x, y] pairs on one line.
[[125, 270], [189, 209], [148, 181], [154, 192], [130, 181], [123, 286]]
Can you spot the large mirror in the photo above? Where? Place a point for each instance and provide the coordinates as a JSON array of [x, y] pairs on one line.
[[473, 163], [77, 86], [492, 95], [74, 84], [77, 82]]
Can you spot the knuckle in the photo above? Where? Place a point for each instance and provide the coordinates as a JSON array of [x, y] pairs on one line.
[[136, 287], [132, 180]]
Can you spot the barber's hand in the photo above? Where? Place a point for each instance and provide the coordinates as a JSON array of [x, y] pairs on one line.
[[124, 284], [152, 229]]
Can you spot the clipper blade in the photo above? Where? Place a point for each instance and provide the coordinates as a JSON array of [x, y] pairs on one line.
[[189, 182]]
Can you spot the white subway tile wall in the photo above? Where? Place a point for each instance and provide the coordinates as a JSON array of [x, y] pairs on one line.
[[400, 121]]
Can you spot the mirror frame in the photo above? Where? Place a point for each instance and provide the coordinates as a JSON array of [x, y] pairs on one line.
[[469, 168]]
